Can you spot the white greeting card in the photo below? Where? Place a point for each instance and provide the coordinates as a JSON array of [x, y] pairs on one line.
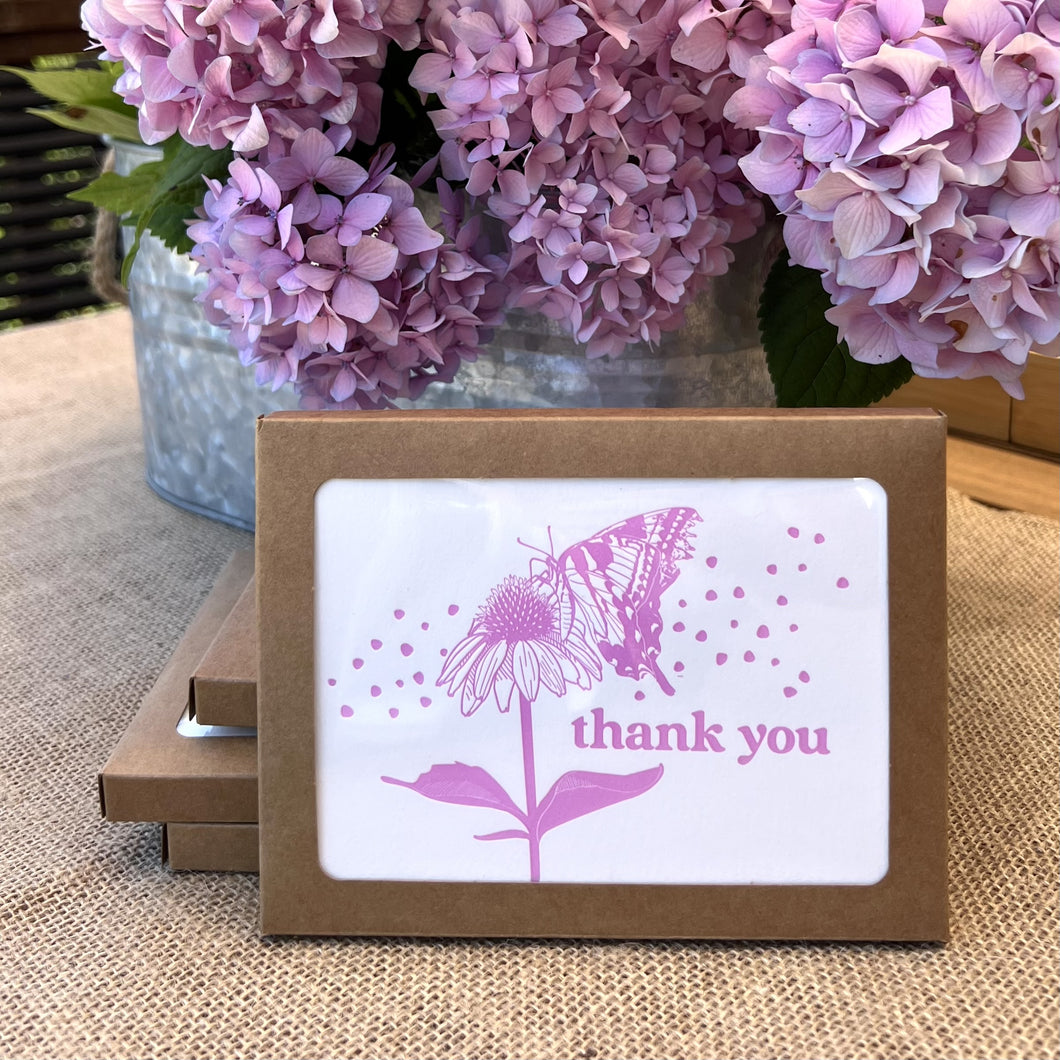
[[602, 681]]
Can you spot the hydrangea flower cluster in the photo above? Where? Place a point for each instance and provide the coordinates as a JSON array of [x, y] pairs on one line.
[[225, 72], [594, 132], [913, 149], [329, 277], [620, 148]]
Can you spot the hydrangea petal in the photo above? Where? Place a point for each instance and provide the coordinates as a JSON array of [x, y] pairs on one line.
[[997, 136], [365, 211], [861, 222], [254, 135], [411, 232], [1034, 215], [928, 116], [372, 259], [354, 298]]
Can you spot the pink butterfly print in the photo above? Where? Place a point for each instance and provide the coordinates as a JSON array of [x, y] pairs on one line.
[[613, 583]]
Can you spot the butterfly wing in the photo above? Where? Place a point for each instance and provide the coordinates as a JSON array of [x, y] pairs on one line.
[[616, 579]]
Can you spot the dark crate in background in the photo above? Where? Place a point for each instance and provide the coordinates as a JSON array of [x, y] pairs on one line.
[[29, 28], [44, 237]]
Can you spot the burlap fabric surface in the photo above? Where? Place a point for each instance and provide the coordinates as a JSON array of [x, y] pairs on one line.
[[105, 953]]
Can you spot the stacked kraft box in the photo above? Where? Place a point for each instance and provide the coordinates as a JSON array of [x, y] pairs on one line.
[[188, 760]]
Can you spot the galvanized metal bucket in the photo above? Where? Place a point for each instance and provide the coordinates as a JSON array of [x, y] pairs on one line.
[[199, 403]]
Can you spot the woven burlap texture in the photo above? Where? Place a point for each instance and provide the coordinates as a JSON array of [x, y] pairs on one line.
[[104, 953]]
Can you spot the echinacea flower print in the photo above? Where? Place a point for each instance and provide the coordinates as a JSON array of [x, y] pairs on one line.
[[598, 602], [514, 645]]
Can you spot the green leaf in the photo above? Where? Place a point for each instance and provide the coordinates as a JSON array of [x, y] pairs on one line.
[[122, 195], [96, 121], [159, 197], [178, 190], [184, 163], [168, 221], [77, 87], [85, 98], [809, 366]]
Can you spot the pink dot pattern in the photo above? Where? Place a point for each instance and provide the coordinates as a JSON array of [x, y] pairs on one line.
[[381, 679], [747, 605]]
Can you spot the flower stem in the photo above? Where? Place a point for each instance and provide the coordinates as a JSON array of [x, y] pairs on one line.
[[526, 724]]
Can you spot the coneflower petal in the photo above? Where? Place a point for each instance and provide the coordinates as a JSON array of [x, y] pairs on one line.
[[485, 672], [460, 661], [526, 669]]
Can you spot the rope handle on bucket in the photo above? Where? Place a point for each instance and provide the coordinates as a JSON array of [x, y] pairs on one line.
[[104, 257]]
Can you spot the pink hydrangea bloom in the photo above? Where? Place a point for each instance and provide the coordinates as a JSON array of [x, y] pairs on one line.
[[619, 147], [594, 133], [222, 72], [328, 276], [914, 154]]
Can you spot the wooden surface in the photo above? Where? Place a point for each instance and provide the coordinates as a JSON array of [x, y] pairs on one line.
[[1036, 421], [975, 406], [1004, 478], [980, 407]]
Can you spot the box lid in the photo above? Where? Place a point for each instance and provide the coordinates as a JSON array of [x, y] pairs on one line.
[[157, 774], [224, 684]]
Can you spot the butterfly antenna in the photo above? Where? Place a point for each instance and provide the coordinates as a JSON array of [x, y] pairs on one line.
[[549, 560], [551, 554]]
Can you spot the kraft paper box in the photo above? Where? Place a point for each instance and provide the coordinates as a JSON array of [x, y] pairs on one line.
[[224, 684], [156, 773], [603, 673], [199, 847]]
